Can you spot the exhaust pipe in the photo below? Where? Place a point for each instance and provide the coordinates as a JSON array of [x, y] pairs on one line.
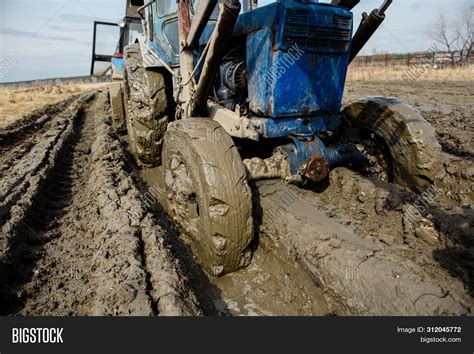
[[200, 20], [368, 26], [222, 32]]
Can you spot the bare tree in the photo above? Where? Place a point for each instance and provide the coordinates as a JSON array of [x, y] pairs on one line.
[[444, 35], [465, 33], [455, 36]]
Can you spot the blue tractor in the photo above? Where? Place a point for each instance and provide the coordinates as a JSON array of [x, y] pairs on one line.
[[220, 93]]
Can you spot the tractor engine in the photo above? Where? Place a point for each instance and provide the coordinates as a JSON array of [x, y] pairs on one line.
[[285, 43], [232, 82]]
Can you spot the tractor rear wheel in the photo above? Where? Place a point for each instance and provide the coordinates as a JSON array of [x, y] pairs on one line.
[[411, 141], [207, 193], [146, 108]]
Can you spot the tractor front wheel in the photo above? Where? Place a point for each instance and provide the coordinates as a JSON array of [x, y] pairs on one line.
[[414, 151], [146, 108], [207, 193]]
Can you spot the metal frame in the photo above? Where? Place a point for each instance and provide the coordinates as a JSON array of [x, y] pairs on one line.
[[95, 57]]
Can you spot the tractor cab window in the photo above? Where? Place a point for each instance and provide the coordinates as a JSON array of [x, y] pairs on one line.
[[167, 7], [134, 31]]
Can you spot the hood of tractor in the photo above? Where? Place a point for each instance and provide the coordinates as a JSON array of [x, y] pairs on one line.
[[297, 57]]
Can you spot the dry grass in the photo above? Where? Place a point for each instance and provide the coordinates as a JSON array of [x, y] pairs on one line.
[[399, 73], [18, 101]]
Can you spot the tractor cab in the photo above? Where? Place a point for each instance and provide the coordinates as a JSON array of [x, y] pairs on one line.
[[109, 41]]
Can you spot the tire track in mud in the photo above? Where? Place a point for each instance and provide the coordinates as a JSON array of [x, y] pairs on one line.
[[27, 200], [72, 243], [348, 248], [28, 175], [355, 238]]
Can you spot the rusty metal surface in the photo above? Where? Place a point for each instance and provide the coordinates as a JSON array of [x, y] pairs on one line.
[[200, 20], [222, 34], [316, 169], [185, 56]]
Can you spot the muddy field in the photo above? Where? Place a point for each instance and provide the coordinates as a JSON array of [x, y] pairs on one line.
[[83, 233]]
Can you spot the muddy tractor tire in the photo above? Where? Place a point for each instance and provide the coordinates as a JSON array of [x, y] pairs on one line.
[[207, 193], [146, 108], [411, 141]]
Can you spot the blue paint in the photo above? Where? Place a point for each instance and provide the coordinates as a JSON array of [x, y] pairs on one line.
[[165, 39], [299, 152], [297, 54], [286, 126], [163, 54], [297, 58], [118, 65], [260, 18]]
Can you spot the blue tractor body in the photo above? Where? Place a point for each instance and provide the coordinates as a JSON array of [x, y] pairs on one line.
[[292, 56], [118, 65], [272, 72], [296, 59], [164, 35]]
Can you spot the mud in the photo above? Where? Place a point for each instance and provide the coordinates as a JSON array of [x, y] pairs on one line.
[[411, 142], [273, 284], [71, 240], [83, 232], [449, 107], [353, 243]]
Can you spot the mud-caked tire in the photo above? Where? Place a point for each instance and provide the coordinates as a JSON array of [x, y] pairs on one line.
[[410, 139], [146, 106], [207, 193]]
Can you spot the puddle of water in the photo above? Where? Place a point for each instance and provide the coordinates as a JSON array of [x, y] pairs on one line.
[[271, 285]]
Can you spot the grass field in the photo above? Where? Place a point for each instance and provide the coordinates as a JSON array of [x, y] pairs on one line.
[[15, 102], [409, 74]]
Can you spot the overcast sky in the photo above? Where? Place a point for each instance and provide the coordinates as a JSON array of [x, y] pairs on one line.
[[44, 39]]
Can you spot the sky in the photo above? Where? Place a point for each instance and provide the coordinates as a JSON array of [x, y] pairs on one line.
[[47, 39]]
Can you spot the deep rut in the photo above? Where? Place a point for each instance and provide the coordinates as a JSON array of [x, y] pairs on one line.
[[71, 243], [39, 191]]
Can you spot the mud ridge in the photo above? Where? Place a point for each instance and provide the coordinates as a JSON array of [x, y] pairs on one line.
[[170, 240], [166, 280], [35, 204], [78, 248], [370, 257], [83, 232]]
